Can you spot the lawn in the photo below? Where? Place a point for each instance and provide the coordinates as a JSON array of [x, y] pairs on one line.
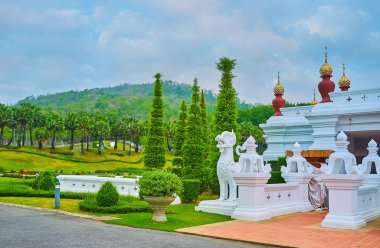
[[32, 159], [179, 216]]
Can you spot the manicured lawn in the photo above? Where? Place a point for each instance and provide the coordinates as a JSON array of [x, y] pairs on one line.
[[179, 216], [69, 205]]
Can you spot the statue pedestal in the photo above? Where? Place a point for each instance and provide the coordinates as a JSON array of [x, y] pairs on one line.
[[225, 207], [251, 197], [303, 180], [374, 180], [344, 210]]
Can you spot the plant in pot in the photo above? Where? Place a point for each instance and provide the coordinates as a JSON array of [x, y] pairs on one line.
[[158, 189]]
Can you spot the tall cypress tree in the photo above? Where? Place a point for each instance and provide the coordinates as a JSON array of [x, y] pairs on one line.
[[226, 112], [193, 160], [180, 132], [155, 148], [204, 123]]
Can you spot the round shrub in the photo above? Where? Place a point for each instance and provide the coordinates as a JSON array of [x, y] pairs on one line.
[[46, 183], [191, 189], [107, 195], [158, 183]]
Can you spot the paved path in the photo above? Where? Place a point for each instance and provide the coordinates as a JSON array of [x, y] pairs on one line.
[[30, 228], [299, 230]]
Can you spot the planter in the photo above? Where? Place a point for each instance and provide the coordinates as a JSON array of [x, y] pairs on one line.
[[159, 205]]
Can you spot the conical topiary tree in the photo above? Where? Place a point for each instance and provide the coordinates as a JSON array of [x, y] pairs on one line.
[[155, 148], [226, 112], [180, 131], [107, 195], [193, 148]]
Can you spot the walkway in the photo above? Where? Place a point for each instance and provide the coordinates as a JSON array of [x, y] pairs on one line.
[[296, 230]]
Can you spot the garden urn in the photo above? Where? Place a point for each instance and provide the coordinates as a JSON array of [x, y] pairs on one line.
[[159, 205]]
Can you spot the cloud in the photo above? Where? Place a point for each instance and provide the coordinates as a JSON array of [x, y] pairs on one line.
[[49, 46]]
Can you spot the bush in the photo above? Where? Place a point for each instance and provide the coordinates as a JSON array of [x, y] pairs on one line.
[[276, 178], [158, 183], [107, 195], [127, 204], [2, 169], [46, 183], [119, 154], [191, 189]]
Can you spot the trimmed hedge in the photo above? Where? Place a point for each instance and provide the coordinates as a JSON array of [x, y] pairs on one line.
[[107, 195], [159, 183], [191, 189], [127, 204], [276, 178], [276, 170]]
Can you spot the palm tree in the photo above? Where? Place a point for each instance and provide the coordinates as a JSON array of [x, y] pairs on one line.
[[71, 124], [5, 116], [54, 124], [83, 128], [24, 115], [101, 129]]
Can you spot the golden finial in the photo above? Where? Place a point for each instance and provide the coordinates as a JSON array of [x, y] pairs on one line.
[[325, 68], [344, 82], [278, 89], [314, 102]]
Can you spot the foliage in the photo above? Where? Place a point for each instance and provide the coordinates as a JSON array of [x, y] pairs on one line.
[[126, 204], [191, 189], [158, 183], [193, 148], [180, 131], [179, 216], [155, 147], [276, 170], [225, 113], [46, 182], [107, 195]]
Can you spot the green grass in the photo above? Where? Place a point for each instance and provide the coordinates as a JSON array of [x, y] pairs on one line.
[[32, 159], [179, 216]]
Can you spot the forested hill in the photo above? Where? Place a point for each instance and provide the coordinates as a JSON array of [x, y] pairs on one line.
[[127, 99]]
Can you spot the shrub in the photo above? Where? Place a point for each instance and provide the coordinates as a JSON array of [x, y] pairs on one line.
[[2, 169], [46, 183], [119, 154], [107, 195], [127, 204], [276, 178], [158, 183], [191, 189]]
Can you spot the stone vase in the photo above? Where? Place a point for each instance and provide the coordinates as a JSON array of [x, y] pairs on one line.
[[159, 205]]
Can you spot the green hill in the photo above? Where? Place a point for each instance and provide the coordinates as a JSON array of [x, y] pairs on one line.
[[126, 99]]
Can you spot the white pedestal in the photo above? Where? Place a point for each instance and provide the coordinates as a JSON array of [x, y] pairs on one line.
[[303, 181], [217, 207], [251, 197], [373, 180], [343, 202]]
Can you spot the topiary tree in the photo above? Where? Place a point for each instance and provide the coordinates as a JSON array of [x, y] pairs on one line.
[[193, 148], [226, 112], [155, 148], [180, 134], [190, 190], [158, 183], [107, 195], [45, 182]]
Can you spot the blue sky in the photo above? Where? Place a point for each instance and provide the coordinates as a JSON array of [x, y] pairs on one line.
[[53, 46]]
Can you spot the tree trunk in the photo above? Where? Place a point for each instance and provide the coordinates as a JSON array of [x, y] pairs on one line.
[[1, 136], [115, 147], [11, 140], [72, 140], [82, 145], [124, 143], [88, 142], [31, 136], [39, 145], [23, 136], [137, 143], [100, 146], [53, 141]]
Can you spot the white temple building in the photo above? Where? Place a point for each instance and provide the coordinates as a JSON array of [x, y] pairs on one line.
[[316, 126]]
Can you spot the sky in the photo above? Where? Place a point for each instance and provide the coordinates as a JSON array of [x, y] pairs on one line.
[[54, 46]]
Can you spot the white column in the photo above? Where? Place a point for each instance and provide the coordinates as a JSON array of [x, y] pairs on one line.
[[303, 181], [251, 203], [343, 202]]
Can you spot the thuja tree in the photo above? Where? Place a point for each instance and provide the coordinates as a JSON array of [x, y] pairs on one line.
[[193, 148], [155, 148], [180, 131], [226, 112], [204, 124]]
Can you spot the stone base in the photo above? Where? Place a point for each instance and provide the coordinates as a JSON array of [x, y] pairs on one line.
[[343, 222], [305, 207], [249, 214], [217, 207]]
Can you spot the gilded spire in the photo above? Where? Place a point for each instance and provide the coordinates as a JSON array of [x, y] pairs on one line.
[[278, 89], [314, 102], [325, 69], [344, 82]]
